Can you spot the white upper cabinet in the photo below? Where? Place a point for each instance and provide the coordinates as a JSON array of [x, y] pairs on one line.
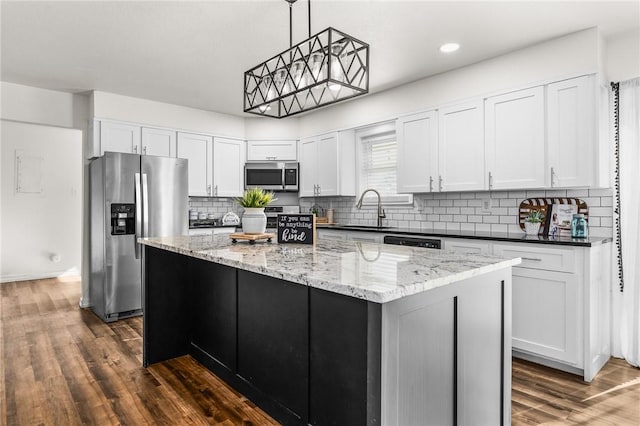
[[327, 165], [285, 150], [198, 149], [461, 147], [417, 137], [160, 142], [572, 133], [228, 167], [515, 139], [119, 137]]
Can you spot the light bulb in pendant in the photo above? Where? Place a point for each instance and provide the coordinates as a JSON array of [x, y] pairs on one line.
[[336, 67]]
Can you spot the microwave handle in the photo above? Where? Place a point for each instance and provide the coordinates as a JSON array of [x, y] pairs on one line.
[[284, 169]]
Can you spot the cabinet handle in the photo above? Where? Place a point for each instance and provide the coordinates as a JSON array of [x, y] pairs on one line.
[[553, 177], [215, 190], [490, 181], [208, 189], [533, 259], [144, 150], [430, 183], [440, 183], [319, 190], [135, 149]]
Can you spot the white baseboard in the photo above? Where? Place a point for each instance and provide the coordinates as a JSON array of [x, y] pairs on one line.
[[24, 277]]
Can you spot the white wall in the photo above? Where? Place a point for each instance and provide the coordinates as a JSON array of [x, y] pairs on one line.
[[623, 56], [270, 128], [571, 54], [49, 107], [144, 111], [35, 227]]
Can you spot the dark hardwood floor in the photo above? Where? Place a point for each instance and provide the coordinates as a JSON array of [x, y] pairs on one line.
[[61, 365]]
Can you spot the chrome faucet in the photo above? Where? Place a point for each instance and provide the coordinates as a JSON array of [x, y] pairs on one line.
[[381, 214]]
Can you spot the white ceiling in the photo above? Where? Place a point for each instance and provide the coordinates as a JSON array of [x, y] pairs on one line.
[[195, 53]]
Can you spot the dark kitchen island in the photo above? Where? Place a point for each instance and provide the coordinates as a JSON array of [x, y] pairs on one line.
[[338, 333]]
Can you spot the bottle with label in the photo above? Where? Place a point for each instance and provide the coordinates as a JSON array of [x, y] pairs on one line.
[[579, 226]]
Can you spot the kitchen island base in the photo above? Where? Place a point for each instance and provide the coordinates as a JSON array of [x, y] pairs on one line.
[[310, 356]]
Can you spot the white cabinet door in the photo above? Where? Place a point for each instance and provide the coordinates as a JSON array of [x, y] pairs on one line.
[[514, 138], [461, 147], [327, 165], [119, 137], [272, 150], [158, 142], [571, 132], [308, 167], [228, 170], [467, 246], [417, 137], [198, 150], [546, 315]]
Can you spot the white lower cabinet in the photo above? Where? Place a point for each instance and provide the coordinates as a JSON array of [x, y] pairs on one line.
[[560, 302]]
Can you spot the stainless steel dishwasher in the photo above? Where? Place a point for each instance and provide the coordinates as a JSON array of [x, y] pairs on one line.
[[401, 240]]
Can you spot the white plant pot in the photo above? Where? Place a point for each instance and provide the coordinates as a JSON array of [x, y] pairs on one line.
[[254, 221], [532, 228]]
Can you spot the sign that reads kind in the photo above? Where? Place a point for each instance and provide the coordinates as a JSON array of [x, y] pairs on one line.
[[296, 228]]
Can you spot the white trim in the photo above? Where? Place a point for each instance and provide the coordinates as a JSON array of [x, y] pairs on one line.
[[24, 277]]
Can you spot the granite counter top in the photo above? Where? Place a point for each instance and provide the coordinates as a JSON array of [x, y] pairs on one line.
[[375, 272], [517, 237]]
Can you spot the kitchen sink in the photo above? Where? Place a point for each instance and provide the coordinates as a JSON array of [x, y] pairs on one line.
[[365, 226]]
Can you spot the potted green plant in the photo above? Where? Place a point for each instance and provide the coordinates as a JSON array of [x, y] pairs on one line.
[[254, 200], [533, 221]]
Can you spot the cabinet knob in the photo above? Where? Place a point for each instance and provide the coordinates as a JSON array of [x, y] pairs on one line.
[[208, 189], [553, 177], [490, 181], [440, 183]]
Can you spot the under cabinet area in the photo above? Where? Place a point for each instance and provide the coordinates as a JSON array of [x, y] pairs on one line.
[[280, 150], [327, 165]]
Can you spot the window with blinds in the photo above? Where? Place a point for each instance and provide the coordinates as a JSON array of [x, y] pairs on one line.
[[378, 167]]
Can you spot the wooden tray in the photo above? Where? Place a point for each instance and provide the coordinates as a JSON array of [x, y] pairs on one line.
[[542, 204], [252, 238]]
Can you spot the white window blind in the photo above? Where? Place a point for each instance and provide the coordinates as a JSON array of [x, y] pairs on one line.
[[379, 162]]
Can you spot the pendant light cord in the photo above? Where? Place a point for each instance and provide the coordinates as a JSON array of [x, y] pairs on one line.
[[615, 87]]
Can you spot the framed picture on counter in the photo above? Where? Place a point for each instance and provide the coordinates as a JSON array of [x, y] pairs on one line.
[[559, 219]]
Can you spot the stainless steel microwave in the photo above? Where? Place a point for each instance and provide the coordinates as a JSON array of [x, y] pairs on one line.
[[272, 176]]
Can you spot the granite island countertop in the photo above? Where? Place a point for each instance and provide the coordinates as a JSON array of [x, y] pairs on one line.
[[375, 272]]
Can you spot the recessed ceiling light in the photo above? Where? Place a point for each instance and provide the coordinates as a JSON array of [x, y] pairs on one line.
[[449, 47]]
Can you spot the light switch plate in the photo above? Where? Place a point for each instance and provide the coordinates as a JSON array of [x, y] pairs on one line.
[[486, 205]]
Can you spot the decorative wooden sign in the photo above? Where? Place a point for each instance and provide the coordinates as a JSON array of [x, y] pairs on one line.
[[296, 228]]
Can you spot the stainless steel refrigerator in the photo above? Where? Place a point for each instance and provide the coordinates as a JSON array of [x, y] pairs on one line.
[[132, 196]]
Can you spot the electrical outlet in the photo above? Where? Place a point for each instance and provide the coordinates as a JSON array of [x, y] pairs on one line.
[[486, 205]]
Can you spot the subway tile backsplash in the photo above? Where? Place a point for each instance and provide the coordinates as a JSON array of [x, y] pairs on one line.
[[464, 210], [444, 211]]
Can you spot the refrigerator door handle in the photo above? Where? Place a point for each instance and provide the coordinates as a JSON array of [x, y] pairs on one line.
[[138, 215], [145, 206]]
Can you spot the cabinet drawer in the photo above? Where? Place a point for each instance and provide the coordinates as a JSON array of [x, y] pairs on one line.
[[540, 257]]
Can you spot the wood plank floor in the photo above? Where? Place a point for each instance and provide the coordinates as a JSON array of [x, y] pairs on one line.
[[61, 365]]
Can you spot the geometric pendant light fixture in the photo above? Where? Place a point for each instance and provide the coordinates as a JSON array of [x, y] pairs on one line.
[[328, 67]]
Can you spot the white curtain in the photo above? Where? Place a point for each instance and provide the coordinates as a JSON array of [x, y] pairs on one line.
[[626, 304]]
